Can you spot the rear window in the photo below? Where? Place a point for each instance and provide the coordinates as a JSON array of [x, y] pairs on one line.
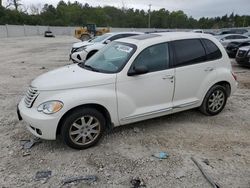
[[239, 37], [213, 52], [189, 51], [229, 37]]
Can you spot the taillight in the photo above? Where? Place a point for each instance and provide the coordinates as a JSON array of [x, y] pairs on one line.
[[234, 75]]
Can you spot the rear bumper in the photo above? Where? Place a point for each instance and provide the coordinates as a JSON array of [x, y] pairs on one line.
[[41, 125]]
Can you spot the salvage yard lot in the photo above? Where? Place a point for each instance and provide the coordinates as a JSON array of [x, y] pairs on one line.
[[223, 141]]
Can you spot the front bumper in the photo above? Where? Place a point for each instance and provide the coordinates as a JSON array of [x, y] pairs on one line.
[[41, 125], [243, 60]]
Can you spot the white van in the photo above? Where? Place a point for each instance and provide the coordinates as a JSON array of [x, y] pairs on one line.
[[129, 80]]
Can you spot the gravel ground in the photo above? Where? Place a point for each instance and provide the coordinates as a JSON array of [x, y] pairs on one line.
[[223, 141]]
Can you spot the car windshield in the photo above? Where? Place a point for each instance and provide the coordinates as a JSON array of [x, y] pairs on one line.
[[111, 58], [100, 38]]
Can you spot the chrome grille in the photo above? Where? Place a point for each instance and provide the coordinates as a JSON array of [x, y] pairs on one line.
[[30, 97]]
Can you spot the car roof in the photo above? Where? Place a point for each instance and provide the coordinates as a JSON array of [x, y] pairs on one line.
[[233, 34], [240, 42], [154, 38], [125, 32], [111, 34]]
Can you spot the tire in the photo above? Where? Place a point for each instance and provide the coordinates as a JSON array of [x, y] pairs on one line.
[[84, 37], [83, 128], [214, 101]]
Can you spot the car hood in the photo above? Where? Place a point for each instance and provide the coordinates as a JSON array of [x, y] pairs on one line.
[[70, 77], [80, 44]]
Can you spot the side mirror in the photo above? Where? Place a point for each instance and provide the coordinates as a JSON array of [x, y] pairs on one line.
[[137, 70], [107, 41]]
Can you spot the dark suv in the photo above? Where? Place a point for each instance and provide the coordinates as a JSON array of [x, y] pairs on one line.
[[243, 56], [233, 47]]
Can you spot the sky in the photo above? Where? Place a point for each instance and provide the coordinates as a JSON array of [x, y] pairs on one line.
[[194, 8]]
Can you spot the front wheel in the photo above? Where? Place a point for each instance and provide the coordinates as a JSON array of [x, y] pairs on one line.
[[83, 128], [214, 101]]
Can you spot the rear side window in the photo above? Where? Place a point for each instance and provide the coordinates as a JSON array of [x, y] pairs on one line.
[[155, 58], [213, 52], [239, 37], [229, 37], [189, 51]]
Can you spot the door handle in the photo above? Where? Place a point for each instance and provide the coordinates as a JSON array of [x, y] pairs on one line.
[[209, 69], [169, 77]]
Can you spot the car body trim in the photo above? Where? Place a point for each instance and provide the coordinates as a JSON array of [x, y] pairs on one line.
[[187, 104], [146, 114]]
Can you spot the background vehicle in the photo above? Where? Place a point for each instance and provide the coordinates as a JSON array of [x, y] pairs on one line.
[[198, 31], [89, 31], [209, 32], [84, 50], [132, 79], [48, 34], [243, 56], [247, 34], [233, 47], [233, 31], [226, 39]]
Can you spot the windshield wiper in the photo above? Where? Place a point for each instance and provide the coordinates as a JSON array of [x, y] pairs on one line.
[[89, 67], [81, 64]]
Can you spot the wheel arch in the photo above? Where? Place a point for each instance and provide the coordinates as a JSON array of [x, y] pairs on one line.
[[223, 83], [98, 107], [92, 52]]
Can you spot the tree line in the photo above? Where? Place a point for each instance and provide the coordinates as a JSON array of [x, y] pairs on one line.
[[78, 14]]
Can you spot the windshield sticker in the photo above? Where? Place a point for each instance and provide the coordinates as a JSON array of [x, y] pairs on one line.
[[123, 48]]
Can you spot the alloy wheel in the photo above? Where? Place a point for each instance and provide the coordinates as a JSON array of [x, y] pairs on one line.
[[84, 130], [216, 101]]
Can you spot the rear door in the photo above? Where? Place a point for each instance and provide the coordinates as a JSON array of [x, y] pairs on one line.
[[194, 63]]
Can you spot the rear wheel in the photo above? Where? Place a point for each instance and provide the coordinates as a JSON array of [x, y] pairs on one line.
[[214, 101], [83, 128], [84, 37]]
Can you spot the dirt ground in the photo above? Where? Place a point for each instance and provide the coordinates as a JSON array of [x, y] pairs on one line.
[[223, 141]]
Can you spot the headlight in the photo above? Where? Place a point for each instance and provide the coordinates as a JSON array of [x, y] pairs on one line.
[[50, 107], [81, 49]]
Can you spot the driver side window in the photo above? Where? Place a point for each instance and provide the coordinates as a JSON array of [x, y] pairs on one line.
[[155, 58]]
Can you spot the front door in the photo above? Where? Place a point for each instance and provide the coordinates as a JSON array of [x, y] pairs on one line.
[[147, 95]]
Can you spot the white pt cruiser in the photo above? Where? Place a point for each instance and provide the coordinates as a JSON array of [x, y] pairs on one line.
[[129, 80]]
